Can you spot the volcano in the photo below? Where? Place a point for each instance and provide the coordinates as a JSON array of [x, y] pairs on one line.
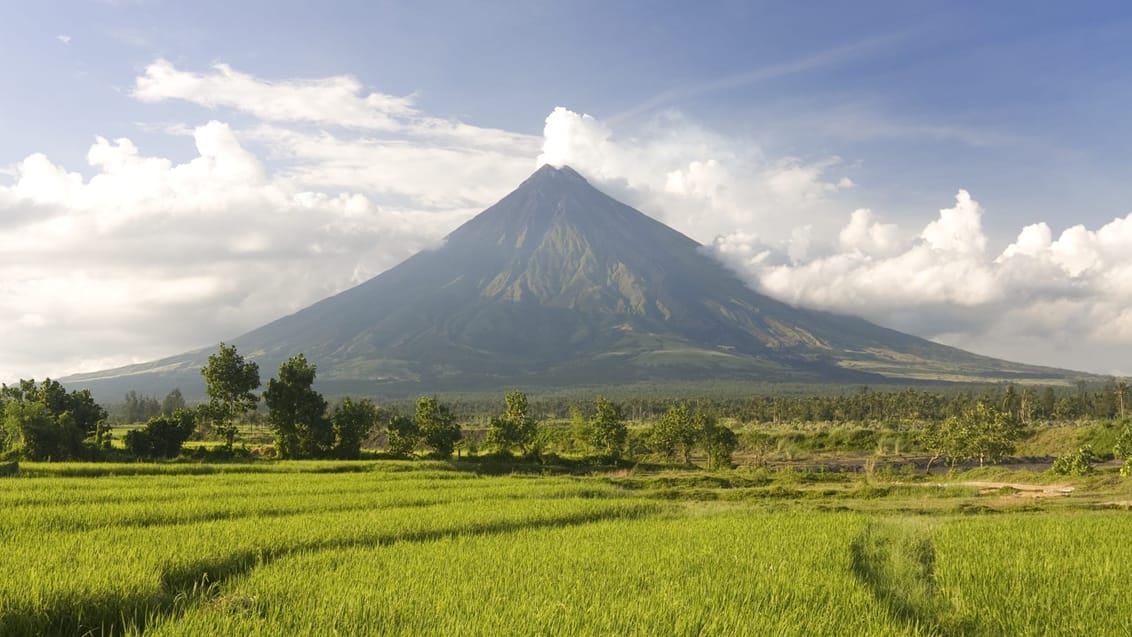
[[560, 285]]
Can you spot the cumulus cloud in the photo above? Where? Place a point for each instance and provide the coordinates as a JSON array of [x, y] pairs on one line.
[[1033, 301], [149, 257], [701, 182]]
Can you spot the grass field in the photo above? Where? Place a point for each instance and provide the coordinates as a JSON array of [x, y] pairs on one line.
[[398, 548]]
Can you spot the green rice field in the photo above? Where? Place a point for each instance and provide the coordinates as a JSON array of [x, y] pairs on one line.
[[400, 548]]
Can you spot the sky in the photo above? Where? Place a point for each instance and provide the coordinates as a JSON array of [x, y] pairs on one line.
[[175, 174]]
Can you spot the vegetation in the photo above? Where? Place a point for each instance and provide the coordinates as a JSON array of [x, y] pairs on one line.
[[790, 542], [323, 547], [351, 422], [607, 430], [45, 421], [515, 428], [231, 383], [980, 432], [162, 436], [437, 426], [402, 435], [1077, 463], [297, 413]]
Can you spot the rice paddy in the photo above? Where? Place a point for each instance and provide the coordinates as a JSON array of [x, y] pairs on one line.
[[392, 548]]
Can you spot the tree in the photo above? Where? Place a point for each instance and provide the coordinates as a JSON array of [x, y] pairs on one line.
[[402, 435], [56, 428], [676, 431], [990, 433], [1121, 395], [162, 436], [437, 425], [718, 440], [139, 408], [86, 414], [515, 427], [607, 428], [581, 433], [231, 383], [978, 432], [30, 432], [297, 412], [1123, 448], [352, 421], [173, 401]]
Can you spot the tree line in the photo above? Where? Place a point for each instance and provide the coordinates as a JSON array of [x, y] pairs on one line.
[[305, 426], [44, 421]]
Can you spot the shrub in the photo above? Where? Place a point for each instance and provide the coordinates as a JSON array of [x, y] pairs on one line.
[[1077, 463], [162, 436]]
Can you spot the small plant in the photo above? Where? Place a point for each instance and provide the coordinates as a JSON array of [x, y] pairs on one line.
[[1077, 463]]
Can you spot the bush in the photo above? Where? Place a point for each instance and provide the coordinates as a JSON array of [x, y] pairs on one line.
[[1077, 463], [162, 436]]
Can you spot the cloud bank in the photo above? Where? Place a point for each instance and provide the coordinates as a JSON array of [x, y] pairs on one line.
[[1064, 301]]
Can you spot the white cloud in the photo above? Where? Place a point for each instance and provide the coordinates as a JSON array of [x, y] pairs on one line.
[[863, 234], [1038, 300], [338, 101], [65, 39], [149, 257], [958, 229], [334, 100], [700, 182]]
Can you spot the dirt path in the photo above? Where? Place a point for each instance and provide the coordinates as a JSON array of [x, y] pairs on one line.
[[1023, 490]]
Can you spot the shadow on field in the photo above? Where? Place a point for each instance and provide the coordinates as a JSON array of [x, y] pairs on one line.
[[185, 586], [895, 560]]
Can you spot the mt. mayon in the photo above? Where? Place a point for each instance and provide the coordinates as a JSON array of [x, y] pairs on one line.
[[559, 285]]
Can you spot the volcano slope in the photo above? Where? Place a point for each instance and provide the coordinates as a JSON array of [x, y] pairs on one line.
[[560, 285]]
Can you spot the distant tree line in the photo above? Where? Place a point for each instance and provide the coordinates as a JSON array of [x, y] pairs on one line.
[[866, 405], [140, 408], [44, 421]]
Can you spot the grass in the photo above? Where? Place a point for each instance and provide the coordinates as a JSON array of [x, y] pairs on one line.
[[406, 548]]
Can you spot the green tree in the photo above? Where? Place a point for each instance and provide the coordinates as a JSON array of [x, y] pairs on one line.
[[30, 432], [71, 417], [515, 428], [352, 421], [581, 433], [978, 432], [162, 436], [1077, 463], [402, 435], [607, 428], [1123, 448], [297, 412], [991, 434], [139, 408], [172, 402], [437, 425], [676, 430], [719, 441], [231, 382]]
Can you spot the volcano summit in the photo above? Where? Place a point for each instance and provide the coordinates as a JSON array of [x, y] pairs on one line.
[[560, 285]]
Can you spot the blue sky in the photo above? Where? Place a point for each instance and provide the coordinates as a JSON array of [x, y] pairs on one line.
[[756, 127]]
